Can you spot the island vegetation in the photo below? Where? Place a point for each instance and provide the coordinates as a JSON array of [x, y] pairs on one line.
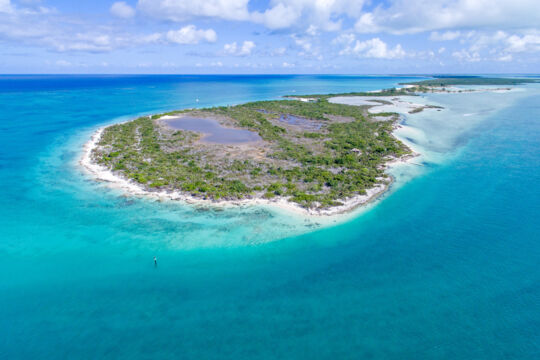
[[384, 92], [470, 80], [330, 153]]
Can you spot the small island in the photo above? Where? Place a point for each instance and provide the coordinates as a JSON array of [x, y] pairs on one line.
[[311, 151], [448, 85], [443, 81], [321, 154]]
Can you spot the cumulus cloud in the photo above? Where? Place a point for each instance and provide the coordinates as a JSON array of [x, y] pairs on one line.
[[279, 17], [482, 30], [191, 35], [373, 48], [314, 14], [59, 34], [5, 6], [344, 38], [122, 10], [525, 43], [51, 31], [304, 44], [308, 46], [181, 10], [86, 42], [396, 16], [498, 45], [312, 30], [481, 41], [468, 56], [31, 7], [280, 14], [234, 49], [410, 16]]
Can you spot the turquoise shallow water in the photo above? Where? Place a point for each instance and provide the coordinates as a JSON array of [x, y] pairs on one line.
[[444, 267]]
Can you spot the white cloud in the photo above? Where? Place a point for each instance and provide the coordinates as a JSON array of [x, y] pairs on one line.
[[181, 10], [191, 35], [480, 41], [60, 34], [287, 65], [366, 24], [122, 10], [525, 43], [344, 38], [305, 44], [314, 14], [307, 48], [312, 30], [485, 31], [464, 55], [446, 36], [5, 6], [373, 48], [234, 49], [279, 17], [32, 8], [410, 16], [230, 48], [52, 31], [499, 45], [87, 42]]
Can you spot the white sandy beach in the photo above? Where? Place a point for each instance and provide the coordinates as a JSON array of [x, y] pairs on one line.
[[379, 104], [101, 173]]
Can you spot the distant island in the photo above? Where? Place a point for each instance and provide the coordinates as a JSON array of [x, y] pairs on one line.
[[323, 154], [470, 80]]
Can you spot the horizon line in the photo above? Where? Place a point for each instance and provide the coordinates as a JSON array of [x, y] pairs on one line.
[[273, 74]]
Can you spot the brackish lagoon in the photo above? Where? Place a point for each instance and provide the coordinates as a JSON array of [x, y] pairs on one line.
[[213, 131]]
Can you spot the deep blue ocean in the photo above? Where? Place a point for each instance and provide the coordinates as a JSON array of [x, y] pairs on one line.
[[446, 266]]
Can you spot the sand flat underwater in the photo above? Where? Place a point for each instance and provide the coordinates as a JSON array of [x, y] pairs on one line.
[[445, 266]]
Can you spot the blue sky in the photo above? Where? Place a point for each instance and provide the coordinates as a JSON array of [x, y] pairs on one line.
[[277, 36]]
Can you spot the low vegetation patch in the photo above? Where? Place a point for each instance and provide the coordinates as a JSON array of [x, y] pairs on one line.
[[334, 152], [470, 80]]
